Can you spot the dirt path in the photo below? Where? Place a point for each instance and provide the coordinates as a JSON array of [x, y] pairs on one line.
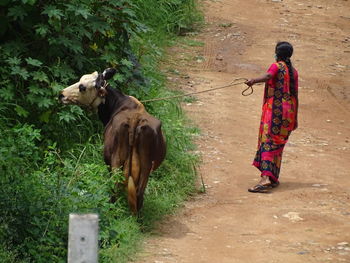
[[306, 219]]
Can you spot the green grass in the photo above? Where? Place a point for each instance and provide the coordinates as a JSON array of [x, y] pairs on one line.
[[192, 43], [226, 25]]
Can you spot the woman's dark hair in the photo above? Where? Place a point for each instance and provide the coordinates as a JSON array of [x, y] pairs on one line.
[[284, 50]]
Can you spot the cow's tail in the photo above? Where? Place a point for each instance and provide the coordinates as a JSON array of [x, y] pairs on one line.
[[134, 168], [132, 198]]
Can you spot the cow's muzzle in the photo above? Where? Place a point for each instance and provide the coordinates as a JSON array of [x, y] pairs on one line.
[[63, 99], [60, 97]]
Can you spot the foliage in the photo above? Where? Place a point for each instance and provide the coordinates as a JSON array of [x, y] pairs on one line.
[[50, 155], [48, 44], [178, 16]]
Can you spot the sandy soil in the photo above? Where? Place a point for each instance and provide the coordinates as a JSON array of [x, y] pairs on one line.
[[307, 218]]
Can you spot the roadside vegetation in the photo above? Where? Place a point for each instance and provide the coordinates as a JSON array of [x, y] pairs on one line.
[[51, 156]]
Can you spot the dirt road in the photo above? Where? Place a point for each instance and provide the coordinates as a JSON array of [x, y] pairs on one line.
[[307, 218]]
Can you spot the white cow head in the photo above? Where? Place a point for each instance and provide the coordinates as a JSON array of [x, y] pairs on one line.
[[89, 91]]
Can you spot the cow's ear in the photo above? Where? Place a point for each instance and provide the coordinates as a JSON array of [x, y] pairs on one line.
[[108, 73]]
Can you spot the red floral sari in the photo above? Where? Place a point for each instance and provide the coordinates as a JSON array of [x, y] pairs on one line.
[[278, 120]]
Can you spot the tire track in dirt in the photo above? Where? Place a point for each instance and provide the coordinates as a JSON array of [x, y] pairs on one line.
[[209, 54]]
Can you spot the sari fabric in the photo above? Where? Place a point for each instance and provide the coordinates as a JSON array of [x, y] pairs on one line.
[[278, 120]]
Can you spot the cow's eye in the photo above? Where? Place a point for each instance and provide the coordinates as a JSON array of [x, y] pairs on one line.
[[82, 88]]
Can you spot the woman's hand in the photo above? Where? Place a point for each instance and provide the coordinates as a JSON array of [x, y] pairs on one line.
[[250, 82], [263, 78]]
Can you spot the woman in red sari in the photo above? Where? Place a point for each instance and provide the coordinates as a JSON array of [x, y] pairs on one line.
[[279, 116]]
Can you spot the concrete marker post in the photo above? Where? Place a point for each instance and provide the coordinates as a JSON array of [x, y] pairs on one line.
[[83, 238]]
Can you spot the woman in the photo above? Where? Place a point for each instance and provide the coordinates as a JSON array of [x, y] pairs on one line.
[[279, 116]]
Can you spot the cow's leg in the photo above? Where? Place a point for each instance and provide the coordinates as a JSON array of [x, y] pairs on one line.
[[120, 152], [160, 149], [145, 147], [120, 145]]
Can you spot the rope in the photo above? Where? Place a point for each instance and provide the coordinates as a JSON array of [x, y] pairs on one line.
[[244, 93], [247, 94]]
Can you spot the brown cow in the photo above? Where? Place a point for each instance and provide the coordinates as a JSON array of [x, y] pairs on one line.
[[133, 139]]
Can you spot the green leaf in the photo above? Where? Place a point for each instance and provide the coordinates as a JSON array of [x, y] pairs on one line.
[[30, 2], [20, 71], [34, 89], [119, 77], [76, 48], [56, 87], [83, 12], [44, 103], [126, 62], [82, 31], [141, 28], [72, 44], [75, 109], [97, 25], [45, 117], [78, 10], [52, 12], [40, 76], [109, 58], [63, 72], [34, 62], [14, 61], [66, 116], [128, 12], [17, 12], [7, 93], [21, 112], [41, 30], [32, 98]]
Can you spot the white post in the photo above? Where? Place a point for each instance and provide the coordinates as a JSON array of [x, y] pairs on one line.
[[83, 238]]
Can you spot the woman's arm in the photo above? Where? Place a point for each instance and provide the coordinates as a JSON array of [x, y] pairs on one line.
[[263, 78]]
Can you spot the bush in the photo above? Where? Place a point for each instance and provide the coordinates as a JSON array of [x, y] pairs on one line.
[[48, 44]]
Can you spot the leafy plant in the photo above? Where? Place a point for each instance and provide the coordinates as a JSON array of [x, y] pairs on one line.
[[49, 44]]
